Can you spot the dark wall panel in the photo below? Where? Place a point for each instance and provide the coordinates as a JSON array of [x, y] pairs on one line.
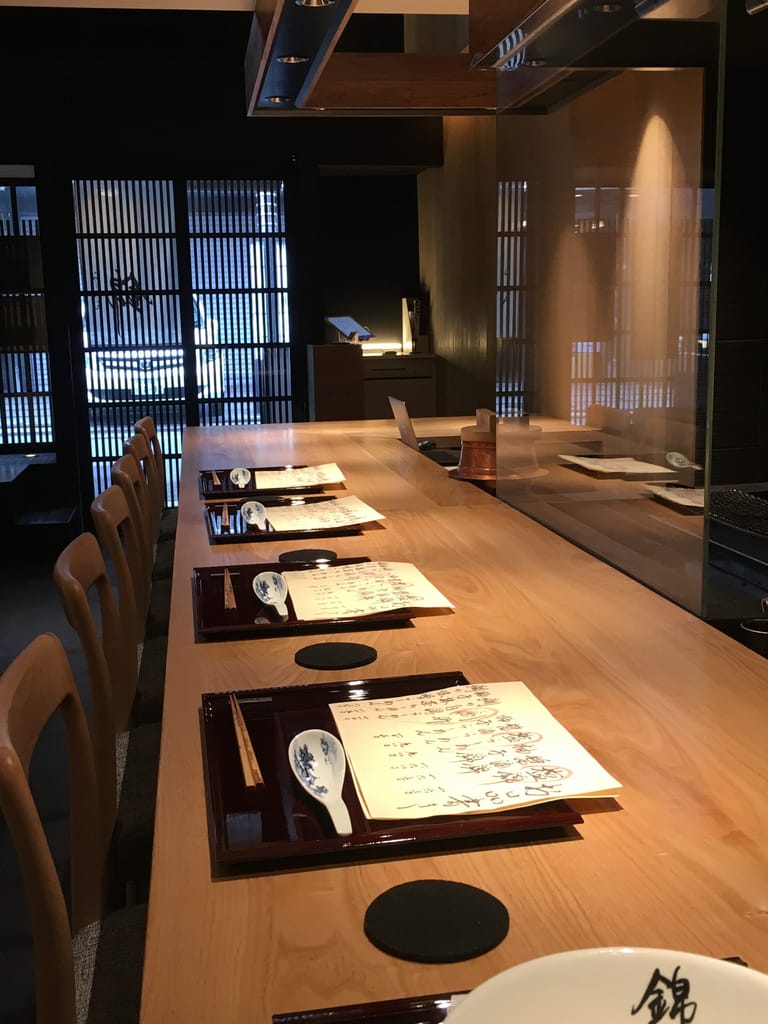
[[368, 249], [167, 86]]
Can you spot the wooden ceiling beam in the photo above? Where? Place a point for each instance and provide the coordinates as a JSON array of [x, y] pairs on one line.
[[406, 82], [490, 22]]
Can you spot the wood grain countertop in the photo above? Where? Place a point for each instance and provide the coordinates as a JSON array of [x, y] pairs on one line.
[[673, 708]]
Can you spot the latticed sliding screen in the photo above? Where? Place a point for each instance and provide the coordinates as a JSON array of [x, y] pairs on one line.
[[25, 411], [514, 365], [184, 304]]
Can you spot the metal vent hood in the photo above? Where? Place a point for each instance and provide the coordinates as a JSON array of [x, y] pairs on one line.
[[564, 47]]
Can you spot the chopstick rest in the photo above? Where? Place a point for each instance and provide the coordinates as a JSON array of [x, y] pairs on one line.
[[248, 762]]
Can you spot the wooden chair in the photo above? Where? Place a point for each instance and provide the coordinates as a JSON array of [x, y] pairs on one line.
[[88, 963], [128, 474], [127, 754], [168, 517], [121, 537]]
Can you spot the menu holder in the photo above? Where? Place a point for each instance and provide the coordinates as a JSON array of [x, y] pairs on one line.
[[226, 489], [238, 531], [250, 618], [281, 826]]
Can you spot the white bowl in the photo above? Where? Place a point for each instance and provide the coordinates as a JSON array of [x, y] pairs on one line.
[[619, 985]]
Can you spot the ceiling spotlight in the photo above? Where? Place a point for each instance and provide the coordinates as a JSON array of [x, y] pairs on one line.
[[293, 58], [315, 3]]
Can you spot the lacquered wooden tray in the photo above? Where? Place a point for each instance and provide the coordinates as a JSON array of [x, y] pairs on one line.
[[282, 825], [414, 1010], [226, 489], [409, 1010], [239, 532], [213, 621]]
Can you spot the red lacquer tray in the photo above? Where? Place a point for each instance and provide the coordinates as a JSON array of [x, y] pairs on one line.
[[408, 1010], [226, 489], [239, 532], [281, 825], [213, 621], [414, 1010]]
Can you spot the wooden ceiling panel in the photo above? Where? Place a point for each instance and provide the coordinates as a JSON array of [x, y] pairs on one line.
[[415, 82]]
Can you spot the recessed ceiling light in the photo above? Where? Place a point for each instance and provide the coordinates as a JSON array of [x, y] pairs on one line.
[[315, 3], [293, 58]]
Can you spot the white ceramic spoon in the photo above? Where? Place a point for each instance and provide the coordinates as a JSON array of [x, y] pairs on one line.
[[254, 513], [240, 476], [318, 761], [272, 588]]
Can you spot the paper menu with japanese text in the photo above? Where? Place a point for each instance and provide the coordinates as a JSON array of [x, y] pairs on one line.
[[322, 515], [462, 750], [361, 588], [302, 476]]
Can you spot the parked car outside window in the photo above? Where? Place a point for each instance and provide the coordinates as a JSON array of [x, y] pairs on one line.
[[128, 372]]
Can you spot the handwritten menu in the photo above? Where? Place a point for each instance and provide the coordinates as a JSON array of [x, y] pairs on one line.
[[463, 750], [347, 511], [363, 588], [305, 476]]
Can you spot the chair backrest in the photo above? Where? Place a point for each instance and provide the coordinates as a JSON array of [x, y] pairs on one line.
[[147, 426], [138, 446], [82, 579], [127, 474], [121, 537], [35, 686]]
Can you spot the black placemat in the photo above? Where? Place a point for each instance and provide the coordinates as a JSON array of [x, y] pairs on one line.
[[307, 555], [335, 655], [436, 921]]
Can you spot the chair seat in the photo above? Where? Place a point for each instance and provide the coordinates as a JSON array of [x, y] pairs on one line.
[[148, 703], [158, 616], [108, 961], [168, 523], [135, 824], [162, 567]]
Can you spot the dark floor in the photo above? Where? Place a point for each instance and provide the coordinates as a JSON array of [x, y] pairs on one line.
[[29, 605]]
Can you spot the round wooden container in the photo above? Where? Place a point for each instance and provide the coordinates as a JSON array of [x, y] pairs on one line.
[[478, 454]]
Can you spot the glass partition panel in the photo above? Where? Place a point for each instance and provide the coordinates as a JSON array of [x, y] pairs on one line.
[[604, 276]]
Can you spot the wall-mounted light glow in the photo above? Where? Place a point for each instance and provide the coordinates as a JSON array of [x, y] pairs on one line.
[[293, 58], [278, 99], [315, 3], [380, 348]]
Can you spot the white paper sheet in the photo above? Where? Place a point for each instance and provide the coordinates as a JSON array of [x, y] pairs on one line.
[[322, 515], [617, 467], [688, 497], [306, 476], [463, 750], [363, 588]]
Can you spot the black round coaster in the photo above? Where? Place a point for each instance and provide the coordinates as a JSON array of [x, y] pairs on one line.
[[435, 921], [333, 655], [307, 555]]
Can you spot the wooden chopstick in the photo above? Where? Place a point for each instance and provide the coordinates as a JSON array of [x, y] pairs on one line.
[[215, 478], [251, 771], [225, 516], [229, 592]]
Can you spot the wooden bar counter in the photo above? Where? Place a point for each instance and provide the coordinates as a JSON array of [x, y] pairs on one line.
[[674, 709]]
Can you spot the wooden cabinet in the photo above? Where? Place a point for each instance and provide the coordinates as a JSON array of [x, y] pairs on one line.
[[412, 378], [335, 378]]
